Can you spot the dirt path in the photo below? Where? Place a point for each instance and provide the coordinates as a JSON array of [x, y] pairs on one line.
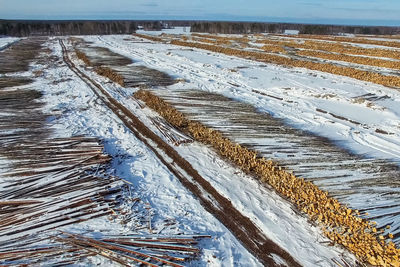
[[252, 238]]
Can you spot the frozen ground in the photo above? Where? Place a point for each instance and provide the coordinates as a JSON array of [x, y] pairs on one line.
[[360, 117], [82, 113], [295, 95], [5, 41]]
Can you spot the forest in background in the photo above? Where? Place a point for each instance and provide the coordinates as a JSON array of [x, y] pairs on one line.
[[24, 28], [258, 27]]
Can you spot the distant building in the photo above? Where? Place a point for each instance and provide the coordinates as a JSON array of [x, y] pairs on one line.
[[291, 32]]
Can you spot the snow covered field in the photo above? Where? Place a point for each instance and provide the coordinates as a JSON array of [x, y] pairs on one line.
[[361, 117], [303, 93], [275, 217]]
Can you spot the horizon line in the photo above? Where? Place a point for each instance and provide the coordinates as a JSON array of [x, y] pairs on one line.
[[294, 21]]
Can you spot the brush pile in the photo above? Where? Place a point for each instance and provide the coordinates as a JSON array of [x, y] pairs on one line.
[[339, 223]]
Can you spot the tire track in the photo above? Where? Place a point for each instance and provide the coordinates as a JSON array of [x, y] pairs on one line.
[[251, 237]]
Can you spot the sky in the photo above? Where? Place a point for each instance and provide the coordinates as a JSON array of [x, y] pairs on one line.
[[354, 12]]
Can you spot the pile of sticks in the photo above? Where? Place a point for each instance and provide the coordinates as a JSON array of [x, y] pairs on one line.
[[53, 183], [61, 182], [131, 250], [172, 134], [47, 184]]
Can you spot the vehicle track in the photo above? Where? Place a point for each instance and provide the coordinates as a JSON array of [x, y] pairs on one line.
[[251, 237]]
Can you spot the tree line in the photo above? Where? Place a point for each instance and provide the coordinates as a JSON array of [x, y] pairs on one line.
[[50, 28], [255, 27]]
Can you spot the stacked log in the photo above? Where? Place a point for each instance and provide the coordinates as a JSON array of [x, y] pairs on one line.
[[211, 41], [82, 56], [110, 74], [358, 40], [102, 70], [339, 223], [273, 49], [333, 47], [152, 38], [352, 59], [386, 80], [226, 39]]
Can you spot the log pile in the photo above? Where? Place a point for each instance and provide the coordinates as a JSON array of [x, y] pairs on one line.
[[339, 223], [101, 70], [148, 37], [138, 249], [273, 49], [53, 183], [333, 47], [211, 41], [82, 56], [352, 59], [223, 39], [352, 50], [66, 183], [110, 74], [69, 248], [173, 135], [349, 40], [349, 49], [391, 81], [339, 52], [48, 185]]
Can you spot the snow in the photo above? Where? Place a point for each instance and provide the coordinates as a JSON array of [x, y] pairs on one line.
[[5, 41], [356, 114], [175, 30], [303, 92], [381, 39], [77, 111], [84, 114], [291, 32], [264, 207]]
